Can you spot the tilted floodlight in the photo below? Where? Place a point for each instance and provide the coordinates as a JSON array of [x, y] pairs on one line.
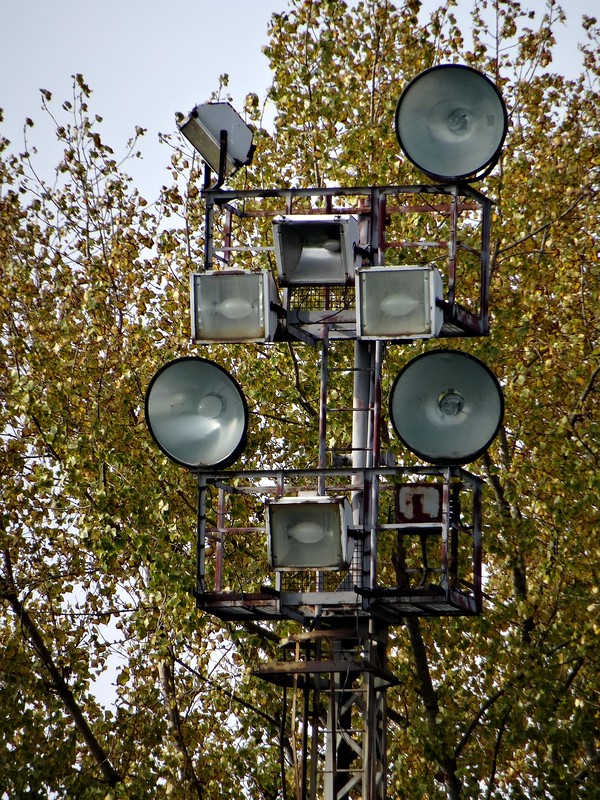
[[446, 406], [203, 128], [451, 122], [398, 302], [233, 306], [316, 250], [197, 413], [308, 533]]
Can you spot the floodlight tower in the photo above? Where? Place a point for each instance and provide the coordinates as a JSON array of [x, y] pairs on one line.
[[324, 526]]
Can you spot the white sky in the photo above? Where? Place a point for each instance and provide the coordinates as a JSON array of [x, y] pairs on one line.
[[145, 60]]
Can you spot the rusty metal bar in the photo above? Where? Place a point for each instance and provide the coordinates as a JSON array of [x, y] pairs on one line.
[[219, 540]]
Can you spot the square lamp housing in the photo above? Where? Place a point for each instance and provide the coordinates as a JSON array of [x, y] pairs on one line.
[[316, 250], [202, 128], [233, 306], [308, 533], [398, 302]]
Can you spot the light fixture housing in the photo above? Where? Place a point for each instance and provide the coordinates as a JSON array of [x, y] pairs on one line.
[[446, 406], [398, 302], [202, 128], [233, 306], [451, 122], [308, 533], [197, 413], [316, 250]]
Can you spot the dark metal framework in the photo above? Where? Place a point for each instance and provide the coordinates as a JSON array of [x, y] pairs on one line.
[[416, 530], [455, 224], [407, 560]]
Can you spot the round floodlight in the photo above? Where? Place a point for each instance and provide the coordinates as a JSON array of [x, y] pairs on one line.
[[197, 413], [451, 122], [446, 406]]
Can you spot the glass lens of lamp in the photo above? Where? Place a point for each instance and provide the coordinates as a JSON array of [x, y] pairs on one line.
[[305, 535], [451, 121], [397, 302], [197, 413], [229, 307], [446, 406]]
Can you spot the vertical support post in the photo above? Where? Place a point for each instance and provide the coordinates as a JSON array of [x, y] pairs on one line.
[[219, 540], [361, 418], [201, 537], [227, 236], [323, 407], [452, 245], [477, 522], [209, 218], [486, 224], [375, 744], [371, 568]]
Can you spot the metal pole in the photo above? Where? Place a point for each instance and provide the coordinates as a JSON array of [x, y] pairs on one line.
[[201, 536]]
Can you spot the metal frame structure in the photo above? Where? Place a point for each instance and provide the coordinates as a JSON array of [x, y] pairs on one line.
[[376, 209], [423, 573], [412, 526]]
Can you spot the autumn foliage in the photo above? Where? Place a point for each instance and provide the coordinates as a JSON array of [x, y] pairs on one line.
[[111, 683]]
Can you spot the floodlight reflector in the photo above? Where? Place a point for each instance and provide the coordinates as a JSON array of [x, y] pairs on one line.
[[233, 306], [316, 250], [446, 406], [197, 413], [202, 128], [398, 302], [451, 122], [308, 533]]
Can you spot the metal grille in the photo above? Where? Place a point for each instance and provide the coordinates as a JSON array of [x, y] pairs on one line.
[[321, 298], [313, 581]]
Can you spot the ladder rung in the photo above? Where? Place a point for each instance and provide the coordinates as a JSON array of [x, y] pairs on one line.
[[350, 408]]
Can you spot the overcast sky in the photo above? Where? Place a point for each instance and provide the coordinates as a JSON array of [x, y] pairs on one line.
[[145, 60]]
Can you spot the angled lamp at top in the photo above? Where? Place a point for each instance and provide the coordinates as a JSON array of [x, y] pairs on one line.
[[202, 128]]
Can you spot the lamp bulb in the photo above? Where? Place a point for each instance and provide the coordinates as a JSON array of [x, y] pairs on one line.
[[398, 305], [234, 308], [211, 406], [306, 532], [460, 121], [451, 402]]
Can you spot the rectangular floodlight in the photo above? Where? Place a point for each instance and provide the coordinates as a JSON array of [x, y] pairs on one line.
[[316, 250], [398, 302], [202, 128], [233, 306], [308, 533]]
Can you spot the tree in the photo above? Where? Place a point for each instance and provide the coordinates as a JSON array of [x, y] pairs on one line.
[[97, 527]]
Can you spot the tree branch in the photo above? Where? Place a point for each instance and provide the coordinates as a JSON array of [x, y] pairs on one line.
[[8, 591], [303, 402], [445, 758], [236, 698], [496, 752], [167, 683]]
